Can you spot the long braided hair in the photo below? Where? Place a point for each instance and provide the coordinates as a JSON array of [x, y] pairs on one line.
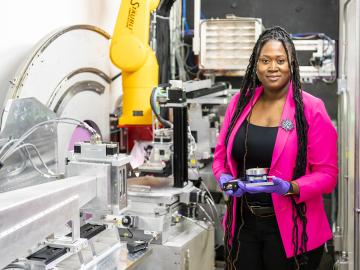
[[247, 90]]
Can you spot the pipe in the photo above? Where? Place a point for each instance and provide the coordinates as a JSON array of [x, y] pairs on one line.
[[344, 39], [357, 158], [197, 17], [343, 120], [164, 122]]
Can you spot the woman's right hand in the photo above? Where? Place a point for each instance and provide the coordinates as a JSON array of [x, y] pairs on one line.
[[224, 178]]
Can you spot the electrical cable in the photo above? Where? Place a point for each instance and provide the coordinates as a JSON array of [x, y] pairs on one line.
[[163, 39], [6, 145], [14, 145], [214, 217], [162, 17], [211, 199], [154, 236], [51, 173], [184, 68], [25, 145], [217, 217], [206, 214], [132, 235], [165, 123], [192, 153], [116, 76], [17, 142]]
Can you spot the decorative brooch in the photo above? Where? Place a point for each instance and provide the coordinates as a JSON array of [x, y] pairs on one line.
[[287, 125]]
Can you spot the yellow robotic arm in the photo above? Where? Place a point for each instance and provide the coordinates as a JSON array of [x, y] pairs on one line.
[[130, 51]]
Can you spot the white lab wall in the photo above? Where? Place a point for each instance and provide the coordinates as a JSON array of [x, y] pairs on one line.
[[25, 22]]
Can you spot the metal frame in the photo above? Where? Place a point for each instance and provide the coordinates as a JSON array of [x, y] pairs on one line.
[[347, 234], [30, 214]]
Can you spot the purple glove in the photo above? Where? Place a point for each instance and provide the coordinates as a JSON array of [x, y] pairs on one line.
[[238, 193], [224, 178], [280, 187]]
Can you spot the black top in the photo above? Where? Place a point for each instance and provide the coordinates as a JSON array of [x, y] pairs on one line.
[[260, 146]]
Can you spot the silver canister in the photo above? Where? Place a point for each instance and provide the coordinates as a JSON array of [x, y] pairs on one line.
[[257, 174]]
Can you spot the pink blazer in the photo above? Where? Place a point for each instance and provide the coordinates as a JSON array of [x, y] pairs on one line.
[[321, 173]]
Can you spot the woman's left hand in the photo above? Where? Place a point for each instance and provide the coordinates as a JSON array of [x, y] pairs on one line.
[[280, 187]]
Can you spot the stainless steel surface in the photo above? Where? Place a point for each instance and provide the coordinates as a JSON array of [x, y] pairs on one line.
[[341, 224], [357, 146], [18, 82], [30, 214], [75, 89], [19, 116], [71, 87], [189, 86], [111, 187], [348, 219], [63, 93], [344, 40], [161, 195], [110, 255], [197, 18], [206, 134], [257, 171], [222, 97], [343, 263], [190, 249], [155, 209], [345, 132], [117, 187], [101, 203]]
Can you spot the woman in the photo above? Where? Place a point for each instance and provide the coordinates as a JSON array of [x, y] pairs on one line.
[[273, 124]]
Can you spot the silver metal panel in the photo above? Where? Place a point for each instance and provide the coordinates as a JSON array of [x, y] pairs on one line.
[[163, 194], [105, 252], [27, 232], [349, 85], [201, 124], [111, 184], [102, 172], [69, 71], [356, 69], [18, 117], [192, 249], [30, 214]]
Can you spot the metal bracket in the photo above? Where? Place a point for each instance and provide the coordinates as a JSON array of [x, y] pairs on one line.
[[342, 86], [68, 242], [338, 239], [343, 262]]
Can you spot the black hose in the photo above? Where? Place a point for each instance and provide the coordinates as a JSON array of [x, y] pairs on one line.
[[164, 122], [115, 77], [163, 40]]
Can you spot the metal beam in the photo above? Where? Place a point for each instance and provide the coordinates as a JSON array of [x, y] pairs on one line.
[[29, 215]]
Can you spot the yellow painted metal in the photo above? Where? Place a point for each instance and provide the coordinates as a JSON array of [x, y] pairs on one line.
[[130, 51]]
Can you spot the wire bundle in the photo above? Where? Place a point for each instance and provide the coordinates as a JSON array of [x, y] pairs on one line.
[[14, 145], [163, 39]]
